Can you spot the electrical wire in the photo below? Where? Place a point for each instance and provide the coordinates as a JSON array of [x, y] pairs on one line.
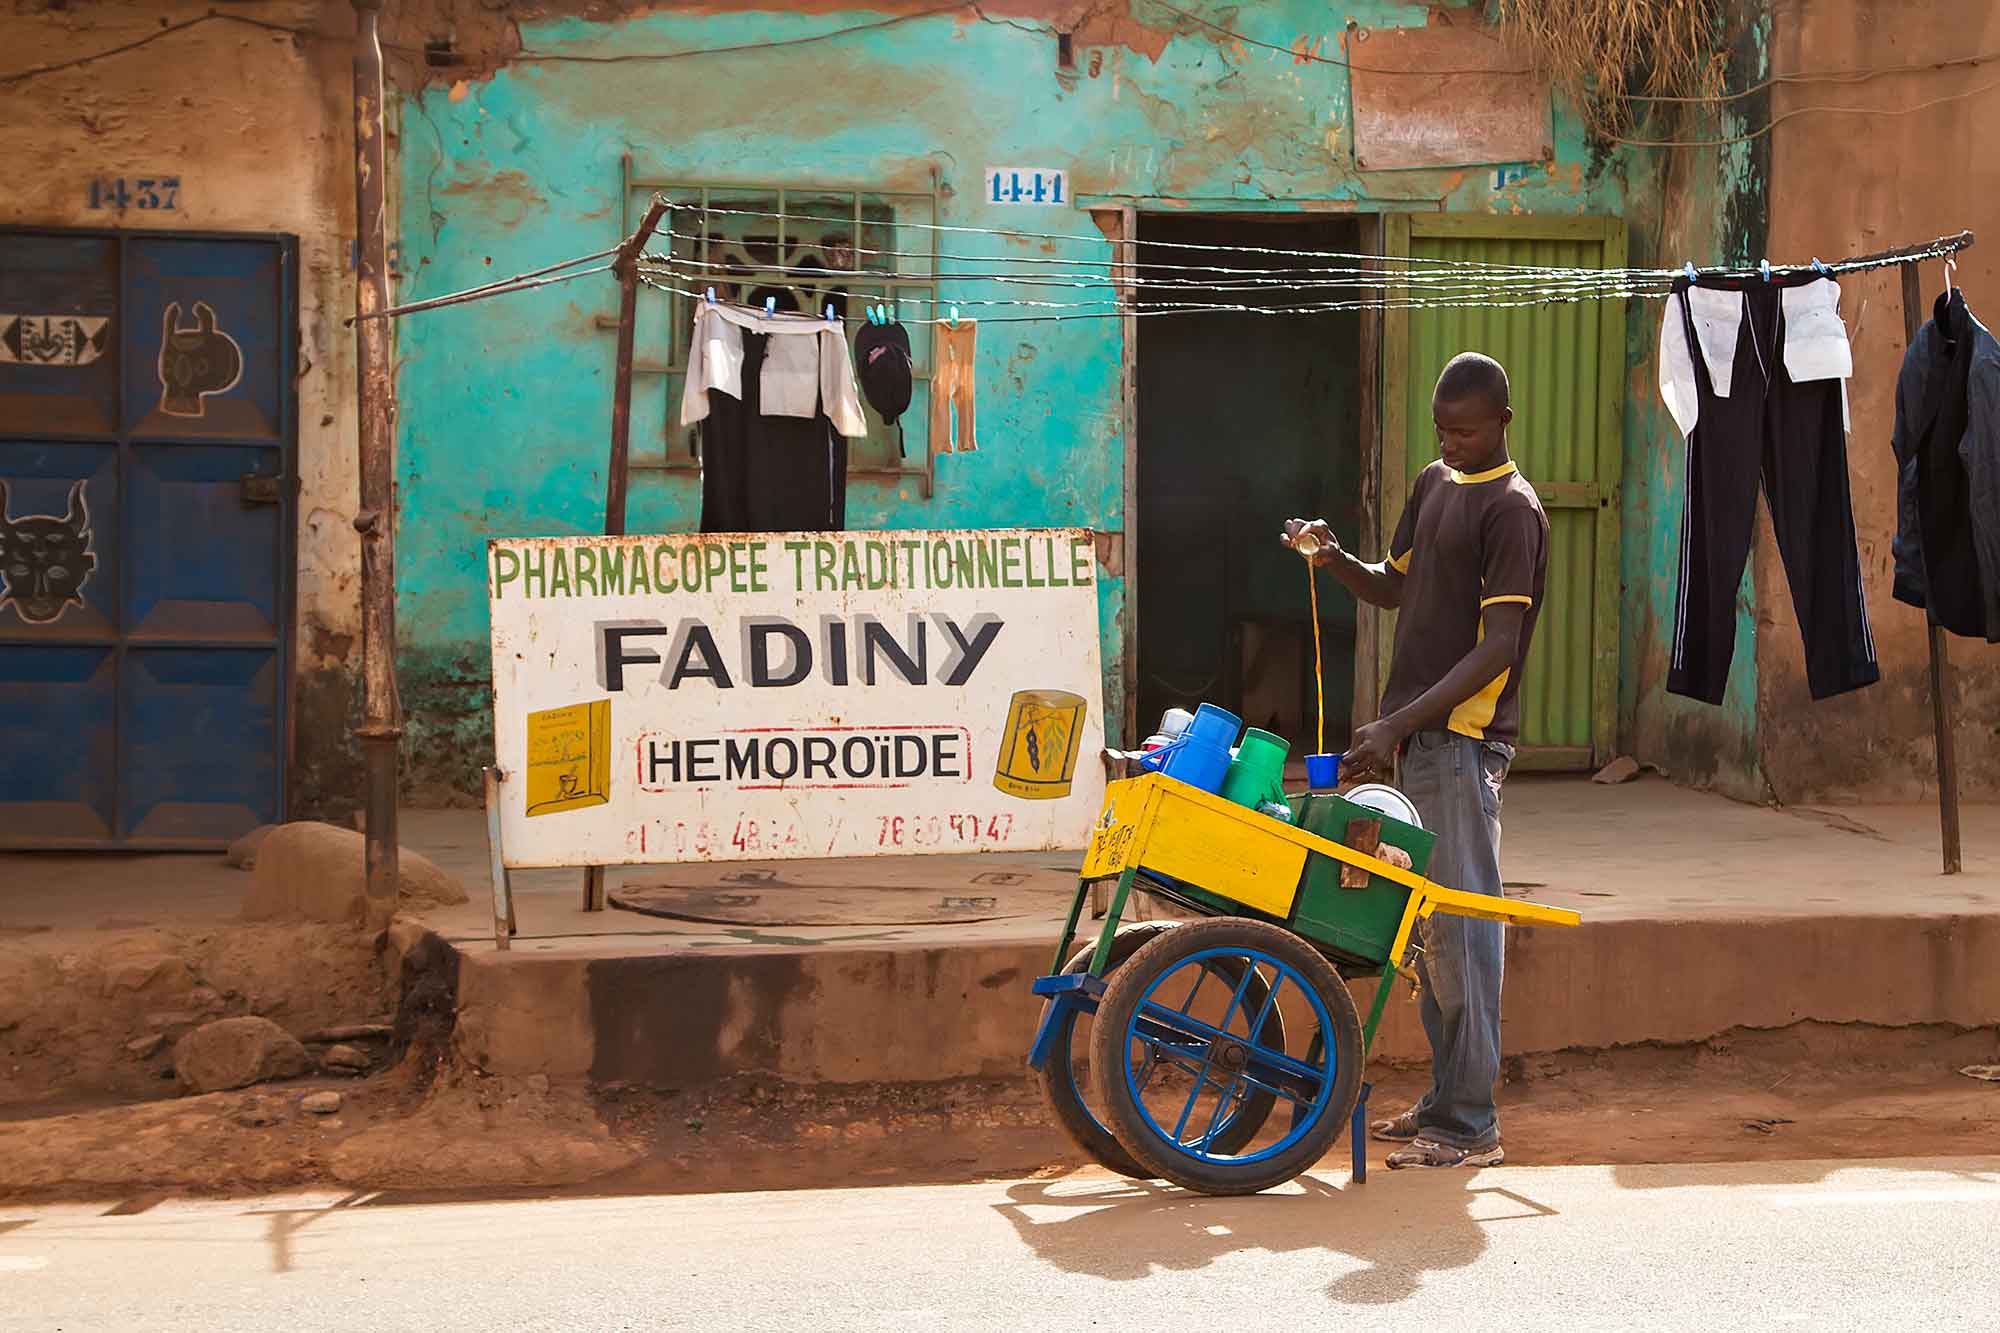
[[1842, 77], [505, 287], [636, 57], [1795, 112], [1307, 55]]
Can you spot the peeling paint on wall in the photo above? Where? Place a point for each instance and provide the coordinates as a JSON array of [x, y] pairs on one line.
[[506, 406]]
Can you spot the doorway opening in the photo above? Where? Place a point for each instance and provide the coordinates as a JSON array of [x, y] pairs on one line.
[[1245, 420]]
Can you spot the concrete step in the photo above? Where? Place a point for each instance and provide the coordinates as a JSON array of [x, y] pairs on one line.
[[669, 1016]]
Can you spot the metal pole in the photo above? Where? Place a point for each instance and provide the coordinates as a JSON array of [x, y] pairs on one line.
[[627, 269], [381, 726], [1941, 719], [496, 861]]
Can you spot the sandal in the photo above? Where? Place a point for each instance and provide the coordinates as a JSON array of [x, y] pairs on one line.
[[1424, 1152], [1396, 1129]]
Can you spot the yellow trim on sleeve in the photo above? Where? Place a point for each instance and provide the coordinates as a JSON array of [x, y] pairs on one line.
[[1401, 563], [1474, 478], [1509, 597]]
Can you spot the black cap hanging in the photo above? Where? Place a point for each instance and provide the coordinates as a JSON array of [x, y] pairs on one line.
[[882, 364]]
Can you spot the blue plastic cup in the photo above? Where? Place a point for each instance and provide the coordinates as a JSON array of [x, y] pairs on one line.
[[1322, 771]]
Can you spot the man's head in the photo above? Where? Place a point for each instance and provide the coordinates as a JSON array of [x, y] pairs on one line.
[[1471, 411]]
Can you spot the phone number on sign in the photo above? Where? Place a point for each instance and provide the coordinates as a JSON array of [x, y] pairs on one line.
[[788, 837], [943, 830]]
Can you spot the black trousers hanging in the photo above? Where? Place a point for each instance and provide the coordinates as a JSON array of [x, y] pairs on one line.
[[769, 473], [1791, 436]]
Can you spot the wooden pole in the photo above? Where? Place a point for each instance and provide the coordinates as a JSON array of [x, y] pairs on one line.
[[1941, 710], [619, 469], [381, 728]]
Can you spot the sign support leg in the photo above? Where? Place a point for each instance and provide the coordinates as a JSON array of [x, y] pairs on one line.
[[503, 885]]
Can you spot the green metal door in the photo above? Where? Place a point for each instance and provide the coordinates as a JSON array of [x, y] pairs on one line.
[[1566, 364]]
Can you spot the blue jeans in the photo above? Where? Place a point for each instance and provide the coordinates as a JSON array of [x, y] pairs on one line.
[[1454, 781]]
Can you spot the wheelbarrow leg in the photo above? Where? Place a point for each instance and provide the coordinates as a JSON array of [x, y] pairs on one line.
[[1358, 1131]]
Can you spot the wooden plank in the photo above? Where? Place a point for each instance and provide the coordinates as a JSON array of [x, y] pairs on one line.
[[1940, 652], [1368, 540], [1606, 604], [1395, 483]]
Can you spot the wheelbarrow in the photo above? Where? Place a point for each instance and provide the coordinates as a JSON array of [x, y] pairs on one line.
[[1226, 1054]]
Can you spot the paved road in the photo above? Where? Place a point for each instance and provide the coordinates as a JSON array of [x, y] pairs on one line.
[[1818, 1245]]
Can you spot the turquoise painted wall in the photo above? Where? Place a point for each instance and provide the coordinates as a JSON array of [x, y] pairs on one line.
[[505, 405]]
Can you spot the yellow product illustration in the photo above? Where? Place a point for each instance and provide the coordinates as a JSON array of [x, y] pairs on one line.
[[1038, 748], [569, 758]]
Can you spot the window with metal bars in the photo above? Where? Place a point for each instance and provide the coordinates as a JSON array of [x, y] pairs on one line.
[[808, 248]]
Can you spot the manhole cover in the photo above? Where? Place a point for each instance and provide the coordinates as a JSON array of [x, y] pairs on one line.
[[774, 901]]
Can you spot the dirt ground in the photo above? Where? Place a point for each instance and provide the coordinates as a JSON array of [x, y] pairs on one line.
[[431, 1128], [97, 1014]]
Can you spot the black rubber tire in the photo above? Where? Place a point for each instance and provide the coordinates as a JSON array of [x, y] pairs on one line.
[[1058, 1079], [1145, 1145]]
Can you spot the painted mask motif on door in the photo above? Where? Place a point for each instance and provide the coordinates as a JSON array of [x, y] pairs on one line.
[[45, 559], [195, 363]]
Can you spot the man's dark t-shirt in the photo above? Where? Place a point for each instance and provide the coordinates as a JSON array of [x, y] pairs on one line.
[[1465, 542]]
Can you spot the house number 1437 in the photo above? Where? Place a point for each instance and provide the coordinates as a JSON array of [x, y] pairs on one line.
[[144, 192]]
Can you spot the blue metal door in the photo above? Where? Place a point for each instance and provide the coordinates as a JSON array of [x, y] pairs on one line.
[[146, 535]]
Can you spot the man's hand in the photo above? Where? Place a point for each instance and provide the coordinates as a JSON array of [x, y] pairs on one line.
[[1372, 750], [1317, 534]]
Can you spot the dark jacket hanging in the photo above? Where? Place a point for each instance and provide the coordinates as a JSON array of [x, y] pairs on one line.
[[1947, 442]]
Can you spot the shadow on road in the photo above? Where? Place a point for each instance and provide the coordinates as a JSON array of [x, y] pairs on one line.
[[1379, 1241]]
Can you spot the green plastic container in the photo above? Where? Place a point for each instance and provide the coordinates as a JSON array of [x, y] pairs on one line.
[[1257, 773], [1357, 924]]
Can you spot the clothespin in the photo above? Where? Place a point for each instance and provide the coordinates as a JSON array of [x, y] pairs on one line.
[[874, 315], [1821, 268], [1764, 267], [770, 306], [829, 312], [1692, 275], [711, 296], [954, 317]]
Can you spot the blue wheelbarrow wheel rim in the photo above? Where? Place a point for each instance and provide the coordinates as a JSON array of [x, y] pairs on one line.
[[1305, 1114], [1076, 1089]]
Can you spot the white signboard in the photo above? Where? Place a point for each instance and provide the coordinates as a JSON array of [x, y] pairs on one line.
[[1027, 185], [728, 698]]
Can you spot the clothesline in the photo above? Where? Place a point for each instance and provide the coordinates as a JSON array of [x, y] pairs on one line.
[[1617, 280], [1557, 285], [1935, 249], [1372, 267], [1086, 310]]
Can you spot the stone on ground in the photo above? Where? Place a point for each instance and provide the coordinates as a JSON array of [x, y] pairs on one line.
[[344, 1059], [320, 1103], [242, 854], [1622, 769], [318, 872], [237, 1052]]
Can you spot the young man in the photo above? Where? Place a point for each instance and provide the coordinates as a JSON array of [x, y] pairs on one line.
[[1466, 570]]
